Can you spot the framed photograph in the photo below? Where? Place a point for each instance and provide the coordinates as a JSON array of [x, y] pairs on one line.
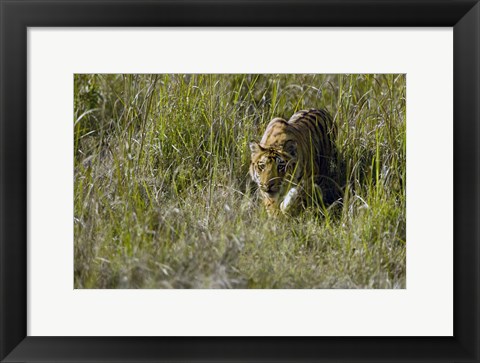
[[239, 181]]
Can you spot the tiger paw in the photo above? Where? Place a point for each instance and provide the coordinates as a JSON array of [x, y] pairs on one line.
[[289, 200]]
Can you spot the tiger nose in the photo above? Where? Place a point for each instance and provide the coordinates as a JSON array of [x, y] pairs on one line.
[[267, 187]]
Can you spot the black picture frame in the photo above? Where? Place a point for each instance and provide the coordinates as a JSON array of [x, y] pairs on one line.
[[18, 15]]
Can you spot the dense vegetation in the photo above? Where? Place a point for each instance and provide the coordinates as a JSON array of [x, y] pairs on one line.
[[163, 198]]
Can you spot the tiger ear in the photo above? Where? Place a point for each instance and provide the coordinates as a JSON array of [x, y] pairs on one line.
[[255, 147], [290, 147]]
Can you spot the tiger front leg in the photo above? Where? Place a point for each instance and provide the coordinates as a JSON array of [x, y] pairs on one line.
[[291, 201], [271, 205]]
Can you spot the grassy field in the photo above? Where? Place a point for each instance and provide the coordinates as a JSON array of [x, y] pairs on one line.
[[163, 198]]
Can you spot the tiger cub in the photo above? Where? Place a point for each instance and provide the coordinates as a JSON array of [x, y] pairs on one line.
[[293, 159]]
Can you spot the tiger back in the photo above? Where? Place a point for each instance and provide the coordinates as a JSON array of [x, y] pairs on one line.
[[293, 160]]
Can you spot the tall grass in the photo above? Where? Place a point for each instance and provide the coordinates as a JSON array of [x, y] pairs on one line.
[[163, 198]]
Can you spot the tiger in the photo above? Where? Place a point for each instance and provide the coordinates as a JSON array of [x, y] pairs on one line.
[[293, 159]]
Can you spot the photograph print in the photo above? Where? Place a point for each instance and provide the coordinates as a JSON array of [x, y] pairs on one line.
[[239, 181]]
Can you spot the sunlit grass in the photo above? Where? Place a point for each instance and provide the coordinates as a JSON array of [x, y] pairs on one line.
[[163, 197]]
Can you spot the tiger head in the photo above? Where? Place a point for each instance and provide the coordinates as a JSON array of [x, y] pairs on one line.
[[272, 168]]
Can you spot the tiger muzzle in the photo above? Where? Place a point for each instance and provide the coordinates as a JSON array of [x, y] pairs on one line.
[[269, 188]]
